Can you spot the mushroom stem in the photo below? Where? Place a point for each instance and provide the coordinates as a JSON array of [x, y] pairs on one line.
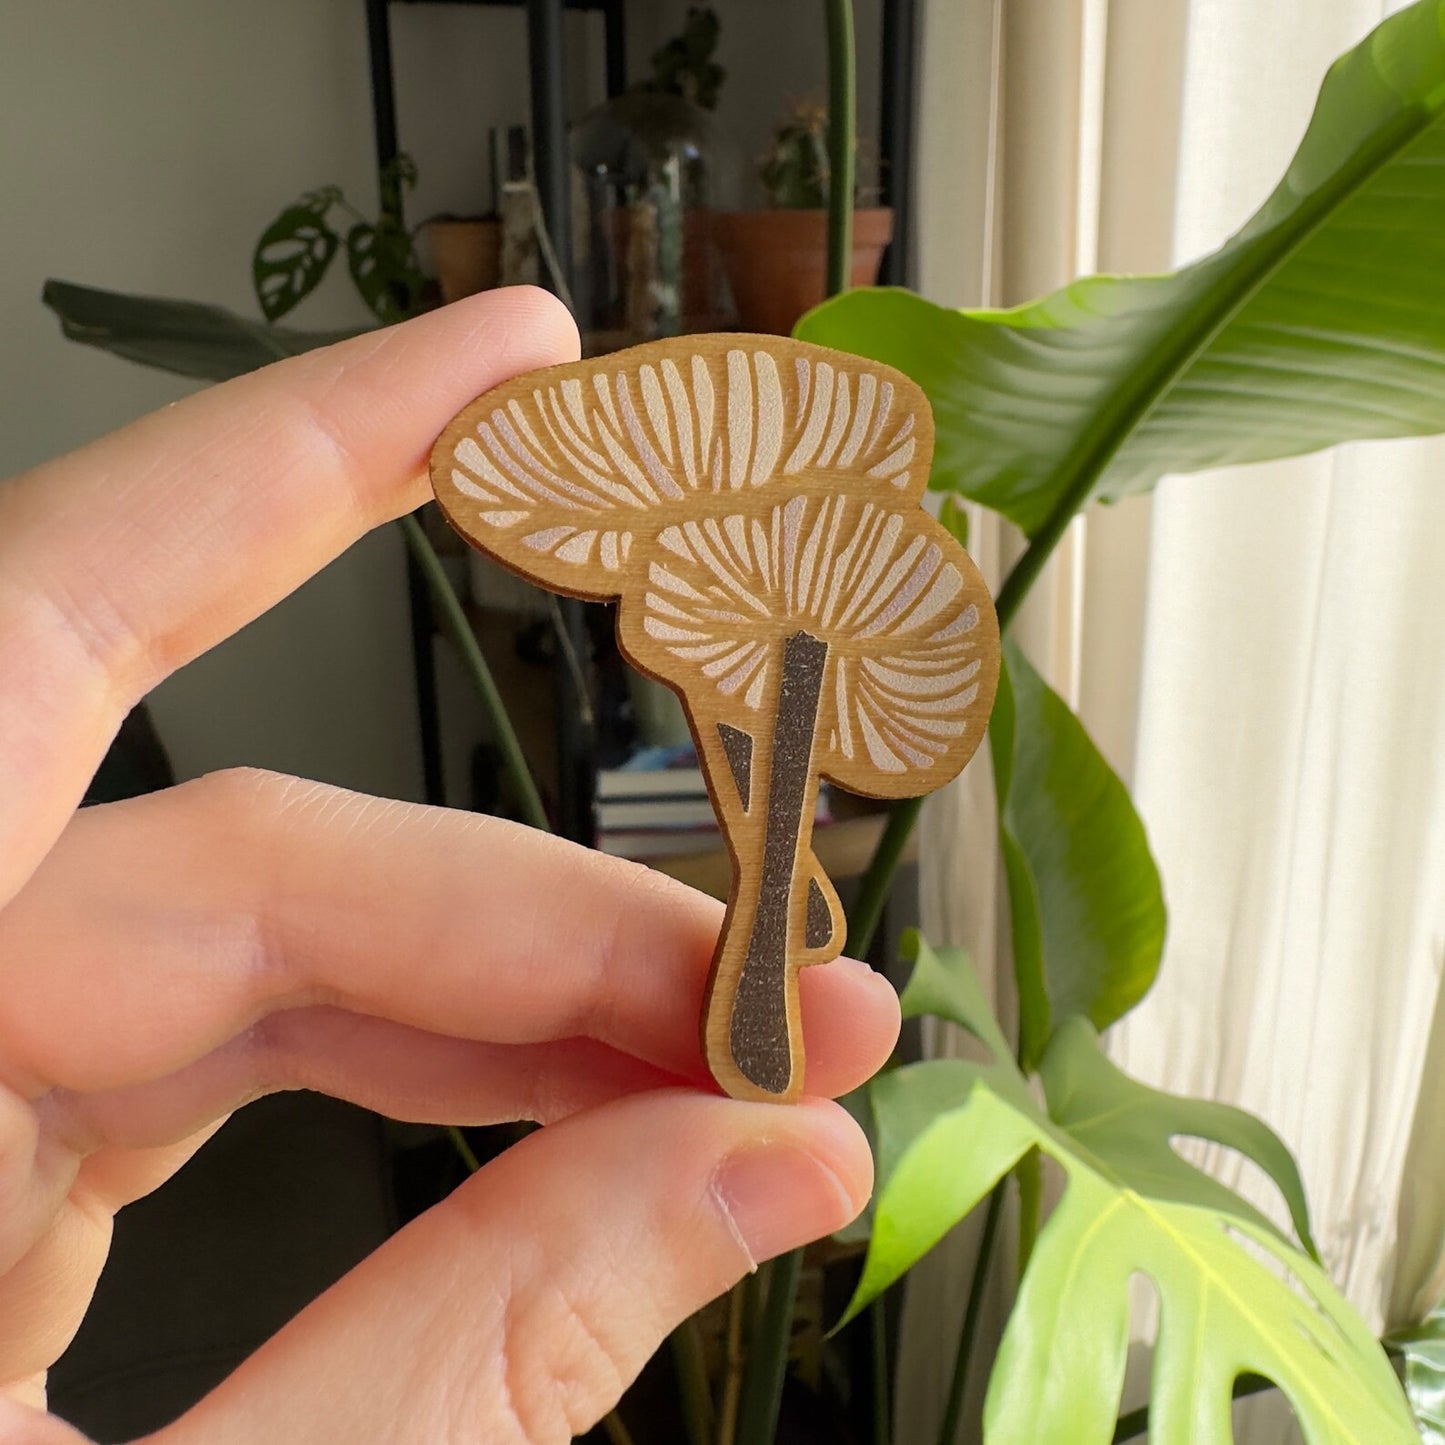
[[760, 1032]]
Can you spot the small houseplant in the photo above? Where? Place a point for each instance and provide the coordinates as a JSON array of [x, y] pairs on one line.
[[295, 251], [776, 258]]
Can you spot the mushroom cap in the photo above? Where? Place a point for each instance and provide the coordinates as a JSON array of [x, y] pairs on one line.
[[567, 475], [912, 663]]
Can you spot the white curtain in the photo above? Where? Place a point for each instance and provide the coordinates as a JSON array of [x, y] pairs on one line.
[[1260, 651], [1291, 746]]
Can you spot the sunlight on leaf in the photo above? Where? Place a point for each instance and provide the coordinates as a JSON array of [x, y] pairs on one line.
[[1236, 1296], [1322, 321]]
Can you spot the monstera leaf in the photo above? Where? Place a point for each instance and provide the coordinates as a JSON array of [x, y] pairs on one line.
[[1235, 1296], [1322, 321], [384, 268], [1085, 900], [184, 337], [293, 253]]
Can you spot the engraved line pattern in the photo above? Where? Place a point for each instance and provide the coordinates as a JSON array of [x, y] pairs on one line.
[[577, 463], [895, 613]]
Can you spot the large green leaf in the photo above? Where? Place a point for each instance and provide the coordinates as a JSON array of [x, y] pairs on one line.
[[1322, 321], [1085, 900], [184, 337], [1235, 1296]]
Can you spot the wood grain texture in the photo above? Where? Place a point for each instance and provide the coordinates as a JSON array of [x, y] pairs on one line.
[[753, 505]]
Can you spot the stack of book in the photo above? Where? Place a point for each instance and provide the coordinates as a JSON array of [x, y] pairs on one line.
[[656, 805]]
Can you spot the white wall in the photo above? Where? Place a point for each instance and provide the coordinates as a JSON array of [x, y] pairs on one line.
[[146, 143]]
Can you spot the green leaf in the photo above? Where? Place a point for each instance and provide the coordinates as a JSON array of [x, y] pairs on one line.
[[859, 1103], [1422, 1350], [184, 337], [292, 255], [1085, 900], [1236, 1297], [384, 267], [1322, 321], [398, 176], [954, 516], [1116, 1118], [943, 984]]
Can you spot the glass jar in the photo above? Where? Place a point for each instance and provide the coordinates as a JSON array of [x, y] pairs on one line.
[[645, 263]]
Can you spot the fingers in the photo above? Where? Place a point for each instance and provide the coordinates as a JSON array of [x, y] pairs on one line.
[[517, 1311], [126, 559], [23, 1423], [162, 928], [134, 1138]]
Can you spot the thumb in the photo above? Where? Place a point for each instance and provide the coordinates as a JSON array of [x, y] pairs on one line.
[[520, 1308]]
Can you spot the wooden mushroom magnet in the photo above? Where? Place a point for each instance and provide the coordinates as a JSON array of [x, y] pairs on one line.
[[753, 505]]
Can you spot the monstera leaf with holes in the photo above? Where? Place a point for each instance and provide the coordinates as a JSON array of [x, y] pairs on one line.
[[1236, 1297], [293, 253], [1322, 321]]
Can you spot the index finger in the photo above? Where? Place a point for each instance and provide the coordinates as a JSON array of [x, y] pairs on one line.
[[130, 557]]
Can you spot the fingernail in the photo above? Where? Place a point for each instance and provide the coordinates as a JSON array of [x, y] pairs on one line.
[[775, 1197], [855, 968]]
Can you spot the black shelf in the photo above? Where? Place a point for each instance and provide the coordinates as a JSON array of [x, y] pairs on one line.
[[547, 70]]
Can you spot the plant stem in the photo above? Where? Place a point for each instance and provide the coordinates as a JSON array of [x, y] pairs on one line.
[[739, 1308], [1136, 1422], [968, 1335], [878, 879], [768, 1358], [617, 1432], [464, 1150], [1025, 572], [882, 1401], [842, 123], [459, 630], [687, 1357]]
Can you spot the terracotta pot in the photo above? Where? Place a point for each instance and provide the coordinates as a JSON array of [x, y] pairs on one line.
[[776, 261], [468, 256]]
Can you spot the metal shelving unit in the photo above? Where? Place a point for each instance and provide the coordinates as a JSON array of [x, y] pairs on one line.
[[547, 69], [547, 66]]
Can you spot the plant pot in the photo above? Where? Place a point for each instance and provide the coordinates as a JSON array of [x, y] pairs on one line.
[[468, 256], [776, 261]]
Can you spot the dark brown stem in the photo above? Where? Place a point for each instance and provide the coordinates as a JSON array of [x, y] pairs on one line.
[[758, 1031]]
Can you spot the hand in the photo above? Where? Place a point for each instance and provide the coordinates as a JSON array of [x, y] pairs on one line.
[[165, 960]]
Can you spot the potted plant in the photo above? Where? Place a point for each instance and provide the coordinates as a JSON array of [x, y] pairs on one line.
[[296, 249], [776, 258]]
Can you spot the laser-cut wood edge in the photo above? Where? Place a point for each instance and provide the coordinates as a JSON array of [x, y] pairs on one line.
[[744, 828]]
